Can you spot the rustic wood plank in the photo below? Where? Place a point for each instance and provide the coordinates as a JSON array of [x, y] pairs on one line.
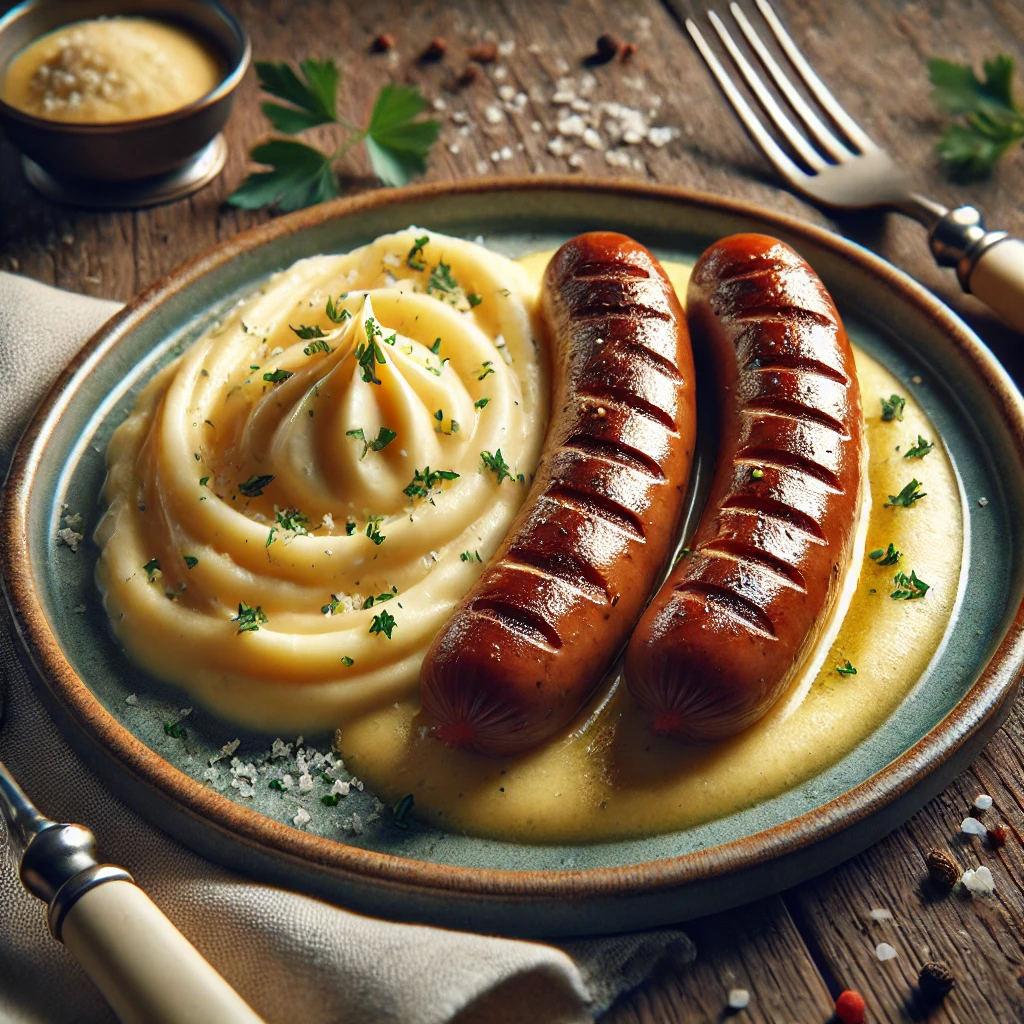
[[756, 948]]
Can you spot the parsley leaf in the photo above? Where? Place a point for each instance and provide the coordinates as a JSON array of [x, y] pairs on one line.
[[337, 314], [369, 352], [249, 619], [301, 175], [191, 561], [152, 570], [993, 122], [277, 377], [396, 142], [485, 369], [373, 530], [887, 556], [480, 403], [847, 669], [906, 497], [384, 437], [920, 450], [471, 556], [892, 408], [423, 483], [496, 464], [305, 333], [442, 285], [474, 300], [332, 606], [347, 661], [908, 588], [383, 623], [413, 259], [400, 812], [253, 487]]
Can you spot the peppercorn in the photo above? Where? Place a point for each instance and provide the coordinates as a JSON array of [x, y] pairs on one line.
[[996, 836], [608, 47], [627, 51], [384, 42], [943, 870], [436, 49], [850, 1007], [483, 53], [470, 73], [935, 981]]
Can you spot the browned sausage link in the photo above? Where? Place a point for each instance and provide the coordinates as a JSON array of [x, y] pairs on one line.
[[726, 633], [532, 639]]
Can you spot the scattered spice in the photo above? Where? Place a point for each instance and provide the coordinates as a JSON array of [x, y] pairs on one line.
[[935, 981], [739, 999], [757, 473], [469, 74], [435, 50], [850, 1007], [943, 869], [997, 837], [606, 48], [483, 53], [384, 42]]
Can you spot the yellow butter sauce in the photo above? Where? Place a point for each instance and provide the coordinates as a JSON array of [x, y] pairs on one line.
[[615, 779], [109, 70]]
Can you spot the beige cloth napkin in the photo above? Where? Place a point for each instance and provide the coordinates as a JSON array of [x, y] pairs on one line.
[[290, 956]]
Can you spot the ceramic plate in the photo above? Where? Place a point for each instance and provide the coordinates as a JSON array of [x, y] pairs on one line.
[[460, 880]]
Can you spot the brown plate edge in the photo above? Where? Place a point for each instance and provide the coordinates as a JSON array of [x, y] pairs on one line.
[[980, 708]]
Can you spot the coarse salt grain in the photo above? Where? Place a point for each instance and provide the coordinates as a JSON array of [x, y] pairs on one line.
[[453, 148], [559, 146], [592, 139], [131, 699], [885, 952], [982, 502], [983, 801], [340, 788], [506, 153], [493, 114], [507, 47], [972, 827], [535, 126], [481, 167], [572, 125], [880, 914], [287, 781], [659, 137], [305, 782], [576, 160], [616, 158], [739, 999], [302, 817], [978, 880], [506, 92]]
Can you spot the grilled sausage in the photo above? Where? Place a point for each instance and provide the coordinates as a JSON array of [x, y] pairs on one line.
[[531, 641], [727, 632]]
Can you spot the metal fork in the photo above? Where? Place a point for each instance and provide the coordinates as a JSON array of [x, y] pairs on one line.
[[845, 169]]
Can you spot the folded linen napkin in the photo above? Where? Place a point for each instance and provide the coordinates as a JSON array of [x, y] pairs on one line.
[[288, 955]]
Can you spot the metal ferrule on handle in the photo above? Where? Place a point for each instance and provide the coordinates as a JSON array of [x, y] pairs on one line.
[[959, 239]]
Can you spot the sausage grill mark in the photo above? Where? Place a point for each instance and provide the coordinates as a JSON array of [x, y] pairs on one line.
[[616, 451], [564, 566], [609, 269], [747, 554], [655, 360], [778, 458], [803, 364], [789, 315], [519, 619], [786, 408], [736, 605], [610, 394], [602, 308], [591, 504], [770, 508]]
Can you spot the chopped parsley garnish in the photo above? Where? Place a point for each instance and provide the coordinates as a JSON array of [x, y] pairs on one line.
[[496, 464], [350, 527], [253, 487], [379, 599], [369, 352], [203, 481], [372, 530], [306, 333], [485, 369], [337, 314], [439, 415], [383, 623], [455, 427], [757, 473], [474, 300], [400, 812], [277, 377], [886, 556], [318, 346], [436, 347], [908, 588], [290, 521], [249, 619], [480, 403], [151, 568], [920, 450], [175, 730], [413, 259], [906, 497], [471, 556], [330, 799], [332, 606], [276, 784], [423, 483], [384, 437], [892, 408], [191, 561], [347, 661], [847, 669], [442, 285]]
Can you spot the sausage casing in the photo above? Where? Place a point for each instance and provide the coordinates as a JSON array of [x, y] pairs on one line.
[[533, 638], [727, 632]]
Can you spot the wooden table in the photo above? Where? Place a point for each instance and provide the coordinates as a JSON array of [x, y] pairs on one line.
[[796, 951]]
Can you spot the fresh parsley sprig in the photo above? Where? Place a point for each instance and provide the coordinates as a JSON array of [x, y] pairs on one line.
[[847, 669], [886, 556], [919, 450], [300, 175], [909, 588], [384, 437], [911, 493], [892, 408], [992, 120]]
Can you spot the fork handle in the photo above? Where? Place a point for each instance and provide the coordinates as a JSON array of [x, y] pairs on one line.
[[989, 264]]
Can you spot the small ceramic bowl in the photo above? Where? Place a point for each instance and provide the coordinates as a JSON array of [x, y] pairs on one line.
[[127, 151]]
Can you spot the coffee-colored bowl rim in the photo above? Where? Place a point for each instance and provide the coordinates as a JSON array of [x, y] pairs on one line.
[[977, 713], [232, 78]]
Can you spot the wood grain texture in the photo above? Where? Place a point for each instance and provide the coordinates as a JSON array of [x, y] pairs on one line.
[[795, 952]]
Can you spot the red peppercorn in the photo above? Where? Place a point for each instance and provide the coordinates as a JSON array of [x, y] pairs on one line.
[[996, 836], [850, 1007], [436, 49]]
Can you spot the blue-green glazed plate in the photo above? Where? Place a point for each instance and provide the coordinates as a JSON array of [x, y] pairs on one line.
[[357, 855]]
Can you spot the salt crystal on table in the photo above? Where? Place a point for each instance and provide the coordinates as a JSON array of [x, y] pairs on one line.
[[739, 999], [979, 880], [983, 801], [880, 914], [885, 952], [972, 827], [302, 817]]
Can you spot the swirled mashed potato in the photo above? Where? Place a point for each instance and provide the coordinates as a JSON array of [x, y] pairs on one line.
[[297, 502]]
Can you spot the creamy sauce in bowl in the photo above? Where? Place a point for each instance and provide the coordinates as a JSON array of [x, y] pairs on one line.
[[110, 70]]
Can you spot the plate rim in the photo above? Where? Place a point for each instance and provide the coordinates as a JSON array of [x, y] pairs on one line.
[[980, 707]]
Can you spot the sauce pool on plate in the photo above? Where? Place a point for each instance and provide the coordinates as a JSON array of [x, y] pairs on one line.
[[110, 70]]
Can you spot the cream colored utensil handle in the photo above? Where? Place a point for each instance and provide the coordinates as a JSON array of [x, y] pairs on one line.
[[998, 280], [146, 969]]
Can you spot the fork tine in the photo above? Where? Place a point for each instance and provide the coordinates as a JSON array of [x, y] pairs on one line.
[[782, 163], [817, 88], [826, 139], [775, 113]]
